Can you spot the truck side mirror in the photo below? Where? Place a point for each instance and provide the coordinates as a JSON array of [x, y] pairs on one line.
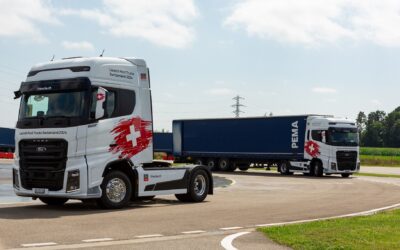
[[323, 135], [101, 98]]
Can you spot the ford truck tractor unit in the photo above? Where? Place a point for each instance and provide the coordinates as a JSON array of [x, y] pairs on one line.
[[85, 132], [311, 144]]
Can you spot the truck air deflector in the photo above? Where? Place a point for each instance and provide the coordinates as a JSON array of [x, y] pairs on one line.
[[73, 69]]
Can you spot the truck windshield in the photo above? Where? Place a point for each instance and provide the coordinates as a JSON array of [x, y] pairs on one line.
[[343, 137], [55, 104]]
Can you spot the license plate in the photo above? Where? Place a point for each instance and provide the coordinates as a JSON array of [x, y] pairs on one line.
[[40, 190]]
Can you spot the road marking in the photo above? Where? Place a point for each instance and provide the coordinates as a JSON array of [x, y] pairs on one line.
[[194, 232], [227, 241], [230, 228], [149, 236], [368, 212], [44, 244], [97, 240]]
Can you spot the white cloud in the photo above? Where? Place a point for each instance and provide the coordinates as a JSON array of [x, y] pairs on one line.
[[83, 45], [220, 92], [19, 19], [162, 22], [324, 90], [314, 22]]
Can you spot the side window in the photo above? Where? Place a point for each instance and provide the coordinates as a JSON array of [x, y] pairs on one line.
[[125, 102], [316, 135], [120, 102]]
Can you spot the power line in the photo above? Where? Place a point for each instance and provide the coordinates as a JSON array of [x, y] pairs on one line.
[[237, 105]]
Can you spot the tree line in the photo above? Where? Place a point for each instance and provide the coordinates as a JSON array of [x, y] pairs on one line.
[[378, 129]]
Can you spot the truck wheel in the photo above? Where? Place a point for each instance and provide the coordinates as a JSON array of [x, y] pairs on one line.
[[53, 201], [198, 188], [318, 170], [223, 164], [244, 167], [284, 168], [199, 162], [345, 175], [211, 165], [116, 190], [232, 167]]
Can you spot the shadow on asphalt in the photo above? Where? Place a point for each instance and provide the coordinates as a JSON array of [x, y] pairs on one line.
[[43, 211], [278, 175]]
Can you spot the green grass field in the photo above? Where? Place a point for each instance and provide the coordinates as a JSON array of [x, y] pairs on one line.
[[380, 231], [388, 157]]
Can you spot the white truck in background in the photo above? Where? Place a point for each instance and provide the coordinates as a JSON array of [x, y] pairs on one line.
[[85, 132]]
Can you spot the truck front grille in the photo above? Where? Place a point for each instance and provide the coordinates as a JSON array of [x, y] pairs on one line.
[[42, 163], [347, 160]]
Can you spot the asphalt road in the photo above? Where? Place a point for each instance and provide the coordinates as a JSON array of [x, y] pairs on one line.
[[165, 223]]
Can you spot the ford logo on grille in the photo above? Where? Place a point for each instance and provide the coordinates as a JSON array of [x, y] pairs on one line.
[[41, 149]]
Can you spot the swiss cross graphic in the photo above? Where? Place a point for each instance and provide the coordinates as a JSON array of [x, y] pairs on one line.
[[312, 148], [131, 137]]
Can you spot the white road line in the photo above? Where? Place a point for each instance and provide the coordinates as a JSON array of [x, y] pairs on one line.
[[97, 240], [227, 241], [230, 228], [368, 212], [194, 232], [149, 236], [44, 244]]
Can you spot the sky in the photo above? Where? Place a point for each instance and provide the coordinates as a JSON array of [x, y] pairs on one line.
[[284, 57]]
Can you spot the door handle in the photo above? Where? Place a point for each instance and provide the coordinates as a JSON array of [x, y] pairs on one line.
[[113, 145]]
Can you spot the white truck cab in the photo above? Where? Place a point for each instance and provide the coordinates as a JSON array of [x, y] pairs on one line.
[[331, 147], [85, 131]]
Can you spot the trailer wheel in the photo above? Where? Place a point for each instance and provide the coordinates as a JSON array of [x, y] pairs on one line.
[[244, 167], [232, 167], [318, 170], [345, 175], [284, 168], [223, 164], [116, 190], [51, 201], [212, 165], [199, 162], [199, 186]]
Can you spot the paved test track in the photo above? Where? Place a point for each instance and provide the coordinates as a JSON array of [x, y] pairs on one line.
[[254, 198]]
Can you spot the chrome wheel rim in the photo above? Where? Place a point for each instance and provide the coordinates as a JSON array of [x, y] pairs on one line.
[[116, 190], [199, 185]]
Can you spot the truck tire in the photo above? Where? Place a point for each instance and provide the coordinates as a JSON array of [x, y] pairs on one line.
[[199, 186], [116, 190], [232, 167], [345, 175], [223, 164], [199, 162], [51, 201], [284, 168], [244, 167], [212, 165], [318, 170]]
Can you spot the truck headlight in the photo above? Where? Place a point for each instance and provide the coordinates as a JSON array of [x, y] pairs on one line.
[[15, 179], [73, 181], [333, 165]]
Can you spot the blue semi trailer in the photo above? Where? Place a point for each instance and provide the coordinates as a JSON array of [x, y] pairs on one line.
[[162, 142], [7, 142], [311, 144]]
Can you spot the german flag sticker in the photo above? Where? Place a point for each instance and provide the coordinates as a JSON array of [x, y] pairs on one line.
[[146, 177]]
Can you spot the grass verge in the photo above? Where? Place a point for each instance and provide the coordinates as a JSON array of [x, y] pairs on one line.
[[380, 160], [380, 231]]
